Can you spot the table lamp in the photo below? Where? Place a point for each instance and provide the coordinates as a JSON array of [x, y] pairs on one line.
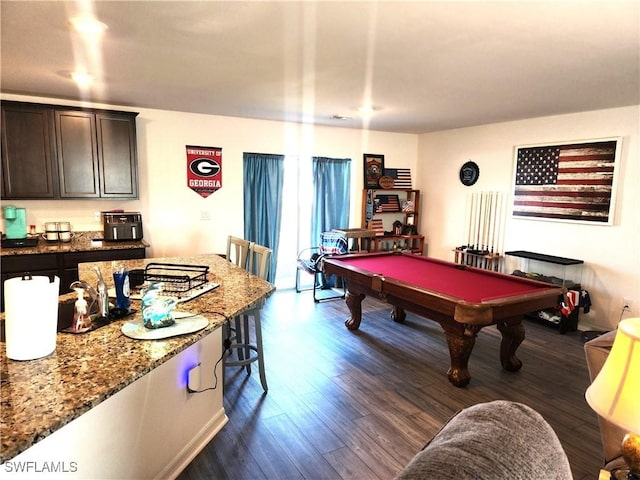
[[615, 392]]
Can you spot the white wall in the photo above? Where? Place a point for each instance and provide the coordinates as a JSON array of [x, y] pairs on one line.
[[171, 211], [611, 253]]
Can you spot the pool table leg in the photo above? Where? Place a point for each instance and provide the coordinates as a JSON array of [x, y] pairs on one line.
[[460, 346], [398, 314], [512, 337], [354, 303]]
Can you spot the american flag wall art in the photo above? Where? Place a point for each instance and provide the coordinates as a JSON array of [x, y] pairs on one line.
[[387, 203], [567, 182], [401, 177]]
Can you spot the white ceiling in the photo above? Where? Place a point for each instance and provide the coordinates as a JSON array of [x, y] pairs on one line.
[[424, 65]]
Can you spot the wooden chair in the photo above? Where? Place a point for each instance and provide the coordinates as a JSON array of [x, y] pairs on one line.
[[249, 350], [238, 251]]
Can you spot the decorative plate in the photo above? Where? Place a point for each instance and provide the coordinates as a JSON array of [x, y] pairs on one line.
[[386, 182], [186, 322], [469, 173]]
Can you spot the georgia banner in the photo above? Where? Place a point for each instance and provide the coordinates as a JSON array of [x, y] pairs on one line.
[[204, 169]]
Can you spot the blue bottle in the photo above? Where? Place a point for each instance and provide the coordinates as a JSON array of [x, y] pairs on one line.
[[123, 291]]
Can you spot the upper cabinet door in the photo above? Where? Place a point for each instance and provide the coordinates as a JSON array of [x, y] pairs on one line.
[[58, 152], [27, 152], [77, 154], [117, 155]]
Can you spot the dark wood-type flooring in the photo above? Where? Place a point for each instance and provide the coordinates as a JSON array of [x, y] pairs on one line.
[[359, 405]]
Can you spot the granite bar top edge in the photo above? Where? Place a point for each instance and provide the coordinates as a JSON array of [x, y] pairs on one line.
[[82, 405]]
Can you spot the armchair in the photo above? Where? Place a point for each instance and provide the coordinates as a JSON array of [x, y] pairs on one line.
[[597, 350], [498, 440]]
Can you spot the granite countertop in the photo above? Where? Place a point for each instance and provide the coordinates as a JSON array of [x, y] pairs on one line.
[[81, 242], [39, 396]]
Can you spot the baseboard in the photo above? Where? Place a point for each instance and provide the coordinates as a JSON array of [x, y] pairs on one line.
[[195, 446]]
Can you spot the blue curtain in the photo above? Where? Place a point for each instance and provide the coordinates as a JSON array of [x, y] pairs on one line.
[[263, 185], [331, 195]]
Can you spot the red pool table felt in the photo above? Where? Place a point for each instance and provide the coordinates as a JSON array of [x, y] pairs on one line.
[[446, 278]]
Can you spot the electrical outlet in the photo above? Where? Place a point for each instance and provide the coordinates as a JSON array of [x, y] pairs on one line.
[[193, 379], [96, 216], [205, 215]]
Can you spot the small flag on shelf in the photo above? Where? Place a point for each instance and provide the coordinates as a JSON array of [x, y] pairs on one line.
[[387, 203], [377, 226]]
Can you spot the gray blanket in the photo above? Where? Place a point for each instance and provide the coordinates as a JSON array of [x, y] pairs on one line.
[[492, 441]]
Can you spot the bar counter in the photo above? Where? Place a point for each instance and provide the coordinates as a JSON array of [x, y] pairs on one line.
[[81, 242], [38, 397]]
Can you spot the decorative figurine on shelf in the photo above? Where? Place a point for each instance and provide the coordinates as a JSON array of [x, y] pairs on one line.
[[408, 229], [156, 310]]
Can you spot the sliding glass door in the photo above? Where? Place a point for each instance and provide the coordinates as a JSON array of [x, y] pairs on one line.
[[315, 196]]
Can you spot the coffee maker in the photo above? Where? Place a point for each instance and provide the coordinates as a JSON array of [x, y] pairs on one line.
[[15, 222]]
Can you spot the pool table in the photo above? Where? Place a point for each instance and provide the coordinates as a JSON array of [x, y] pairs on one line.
[[461, 299]]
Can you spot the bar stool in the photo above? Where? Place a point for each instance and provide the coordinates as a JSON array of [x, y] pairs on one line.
[[238, 251], [249, 350]]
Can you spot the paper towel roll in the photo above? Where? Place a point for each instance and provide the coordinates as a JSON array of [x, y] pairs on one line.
[[31, 316]]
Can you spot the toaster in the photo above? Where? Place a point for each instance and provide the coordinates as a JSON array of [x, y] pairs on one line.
[[122, 226]]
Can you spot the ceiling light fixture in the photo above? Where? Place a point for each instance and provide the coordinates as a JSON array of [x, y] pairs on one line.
[[88, 25]]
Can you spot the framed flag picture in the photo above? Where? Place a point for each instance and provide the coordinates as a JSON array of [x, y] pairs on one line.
[[567, 182]]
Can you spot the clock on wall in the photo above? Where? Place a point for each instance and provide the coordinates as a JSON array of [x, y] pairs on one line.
[[469, 173]]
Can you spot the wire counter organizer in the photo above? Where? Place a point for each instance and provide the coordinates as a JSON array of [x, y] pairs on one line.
[[178, 280]]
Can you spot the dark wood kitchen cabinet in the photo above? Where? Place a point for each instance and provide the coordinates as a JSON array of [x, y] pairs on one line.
[[96, 154], [28, 151], [91, 153], [77, 154], [117, 154]]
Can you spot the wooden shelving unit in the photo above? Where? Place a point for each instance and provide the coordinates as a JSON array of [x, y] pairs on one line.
[[486, 260], [413, 243], [381, 208]]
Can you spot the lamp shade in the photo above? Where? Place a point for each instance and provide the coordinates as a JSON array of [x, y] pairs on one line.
[[615, 392]]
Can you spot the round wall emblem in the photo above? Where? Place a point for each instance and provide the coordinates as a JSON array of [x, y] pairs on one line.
[[469, 173]]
